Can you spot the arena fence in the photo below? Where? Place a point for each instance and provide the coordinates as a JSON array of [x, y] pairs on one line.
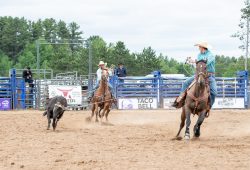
[[160, 92], [132, 92]]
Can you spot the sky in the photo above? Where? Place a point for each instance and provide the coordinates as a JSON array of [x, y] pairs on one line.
[[170, 27]]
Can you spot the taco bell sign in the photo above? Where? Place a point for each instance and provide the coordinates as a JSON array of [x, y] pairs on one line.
[[5, 104]]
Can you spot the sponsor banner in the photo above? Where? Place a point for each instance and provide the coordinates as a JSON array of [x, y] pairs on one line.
[[137, 103], [167, 102], [220, 103], [73, 94], [229, 102], [5, 104]]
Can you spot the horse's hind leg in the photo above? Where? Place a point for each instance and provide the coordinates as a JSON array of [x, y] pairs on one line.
[[188, 122], [96, 113], [106, 115], [183, 117], [198, 124], [102, 114], [93, 112]]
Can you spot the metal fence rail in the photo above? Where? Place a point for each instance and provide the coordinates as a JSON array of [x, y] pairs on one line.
[[136, 87], [22, 95], [169, 88]]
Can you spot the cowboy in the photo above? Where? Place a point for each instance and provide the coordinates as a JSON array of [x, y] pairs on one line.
[[102, 66], [204, 54]]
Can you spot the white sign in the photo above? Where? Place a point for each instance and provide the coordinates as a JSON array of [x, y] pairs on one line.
[[167, 103], [229, 102], [137, 103], [73, 94], [220, 103]]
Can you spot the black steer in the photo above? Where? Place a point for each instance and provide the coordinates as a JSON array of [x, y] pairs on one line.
[[54, 110]]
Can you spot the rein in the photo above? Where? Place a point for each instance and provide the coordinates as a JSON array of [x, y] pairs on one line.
[[204, 96]]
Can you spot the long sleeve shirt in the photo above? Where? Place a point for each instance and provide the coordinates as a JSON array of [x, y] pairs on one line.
[[99, 74], [210, 60]]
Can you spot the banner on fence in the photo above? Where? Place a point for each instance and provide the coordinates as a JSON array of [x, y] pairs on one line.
[[73, 94], [229, 102], [137, 103], [220, 103], [167, 102], [5, 104]]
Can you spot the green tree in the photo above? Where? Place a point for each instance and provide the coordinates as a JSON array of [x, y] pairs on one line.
[[244, 28], [36, 29], [14, 36], [50, 30], [148, 61], [62, 30], [5, 65]]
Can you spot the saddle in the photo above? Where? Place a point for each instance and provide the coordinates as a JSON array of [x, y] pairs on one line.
[[180, 100]]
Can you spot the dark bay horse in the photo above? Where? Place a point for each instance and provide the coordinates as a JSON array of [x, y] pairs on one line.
[[102, 99], [197, 101]]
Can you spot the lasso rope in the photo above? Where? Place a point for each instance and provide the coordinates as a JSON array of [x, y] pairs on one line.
[[187, 62]]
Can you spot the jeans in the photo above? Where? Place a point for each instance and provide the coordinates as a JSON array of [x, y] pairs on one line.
[[91, 94], [212, 83]]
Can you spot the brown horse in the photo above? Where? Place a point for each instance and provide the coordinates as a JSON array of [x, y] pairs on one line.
[[102, 99], [196, 102]]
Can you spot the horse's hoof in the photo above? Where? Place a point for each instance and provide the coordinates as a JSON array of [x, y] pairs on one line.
[[187, 136], [197, 132], [197, 135]]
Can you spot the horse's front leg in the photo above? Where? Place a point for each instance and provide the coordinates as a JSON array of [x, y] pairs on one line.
[[93, 112], [198, 124], [188, 122], [96, 113], [102, 114], [183, 117]]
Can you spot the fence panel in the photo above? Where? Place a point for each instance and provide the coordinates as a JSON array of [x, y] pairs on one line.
[[5, 93]]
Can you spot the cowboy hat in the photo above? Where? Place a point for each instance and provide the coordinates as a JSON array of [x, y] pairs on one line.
[[101, 63], [203, 44]]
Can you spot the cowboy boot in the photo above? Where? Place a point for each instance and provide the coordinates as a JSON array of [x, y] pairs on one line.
[[180, 100]]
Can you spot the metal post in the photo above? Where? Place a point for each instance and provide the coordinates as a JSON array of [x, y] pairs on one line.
[[247, 40], [38, 57], [247, 45], [90, 81]]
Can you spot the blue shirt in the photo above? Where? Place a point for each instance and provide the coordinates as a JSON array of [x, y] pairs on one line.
[[210, 60], [121, 72]]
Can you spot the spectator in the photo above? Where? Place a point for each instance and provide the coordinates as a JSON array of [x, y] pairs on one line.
[[27, 75], [121, 72]]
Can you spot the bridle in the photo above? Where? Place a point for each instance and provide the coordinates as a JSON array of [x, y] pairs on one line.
[[204, 97]]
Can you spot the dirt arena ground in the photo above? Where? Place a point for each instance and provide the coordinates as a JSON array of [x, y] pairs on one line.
[[136, 140]]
